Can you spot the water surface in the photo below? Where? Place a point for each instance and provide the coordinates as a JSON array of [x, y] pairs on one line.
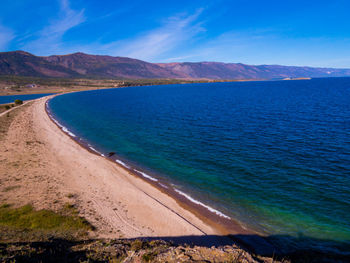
[[12, 98], [274, 155]]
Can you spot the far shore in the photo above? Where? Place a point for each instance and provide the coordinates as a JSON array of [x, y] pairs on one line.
[[16, 85]]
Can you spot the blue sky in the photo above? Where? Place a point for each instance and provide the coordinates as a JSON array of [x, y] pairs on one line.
[[314, 33]]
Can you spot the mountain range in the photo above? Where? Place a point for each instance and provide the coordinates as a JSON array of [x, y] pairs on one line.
[[80, 65]]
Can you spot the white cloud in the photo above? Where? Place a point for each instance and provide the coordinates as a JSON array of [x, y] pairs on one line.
[[6, 35], [49, 39], [151, 45]]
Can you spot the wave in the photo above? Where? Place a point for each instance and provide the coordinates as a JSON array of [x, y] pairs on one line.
[[67, 131], [63, 128], [163, 185], [93, 149], [122, 163], [201, 204], [147, 176]]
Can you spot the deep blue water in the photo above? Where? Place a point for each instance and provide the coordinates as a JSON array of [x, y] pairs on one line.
[[12, 98], [275, 155]]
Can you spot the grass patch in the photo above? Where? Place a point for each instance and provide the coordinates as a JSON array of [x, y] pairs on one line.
[[25, 218]]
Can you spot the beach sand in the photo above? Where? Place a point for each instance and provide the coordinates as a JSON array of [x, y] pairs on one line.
[[41, 165]]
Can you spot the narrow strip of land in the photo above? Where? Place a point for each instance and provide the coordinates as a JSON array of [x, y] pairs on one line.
[[41, 165]]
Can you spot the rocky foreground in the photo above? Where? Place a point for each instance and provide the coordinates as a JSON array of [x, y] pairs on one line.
[[120, 251]]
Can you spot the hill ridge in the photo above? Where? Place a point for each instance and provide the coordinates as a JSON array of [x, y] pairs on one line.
[[79, 64]]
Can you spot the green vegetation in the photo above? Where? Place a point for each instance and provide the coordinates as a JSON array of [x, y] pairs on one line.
[[18, 82], [25, 218], [148, 257], [18, 102], [136, 245]]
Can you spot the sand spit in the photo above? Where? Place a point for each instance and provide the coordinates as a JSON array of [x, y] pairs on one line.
[[39, 164]]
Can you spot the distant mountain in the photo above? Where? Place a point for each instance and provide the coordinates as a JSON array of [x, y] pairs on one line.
[[111, 67], [82, 65], [217, 70], [21, 63]]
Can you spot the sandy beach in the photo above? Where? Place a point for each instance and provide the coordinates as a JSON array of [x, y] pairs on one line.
[[43, 166]]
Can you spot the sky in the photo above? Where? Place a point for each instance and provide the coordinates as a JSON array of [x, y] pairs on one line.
[[284, 32]]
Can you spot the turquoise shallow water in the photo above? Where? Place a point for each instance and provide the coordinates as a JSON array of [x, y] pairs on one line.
[[274, 155]]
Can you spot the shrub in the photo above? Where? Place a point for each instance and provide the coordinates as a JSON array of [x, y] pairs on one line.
[[7, 107], [136, 245], [148, 257], [18, 102]]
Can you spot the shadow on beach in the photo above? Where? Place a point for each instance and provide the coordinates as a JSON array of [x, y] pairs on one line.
[[277, 247]]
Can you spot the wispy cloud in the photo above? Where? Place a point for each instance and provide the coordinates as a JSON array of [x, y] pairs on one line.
[[178, 59], [6, 35], [152, 45], [232, 46], [270, 46], [49, 39]]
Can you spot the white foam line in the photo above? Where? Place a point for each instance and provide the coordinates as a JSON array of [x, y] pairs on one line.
[[72, 134], [201, 204], [122, 163], [92, 148], [64, 129], [67, 131], [57, 123], [147, 176], [164, 185]]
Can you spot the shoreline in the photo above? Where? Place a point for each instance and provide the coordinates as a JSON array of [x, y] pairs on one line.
[[59, 90], [223, 224], [121, 205], [34, 172]]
